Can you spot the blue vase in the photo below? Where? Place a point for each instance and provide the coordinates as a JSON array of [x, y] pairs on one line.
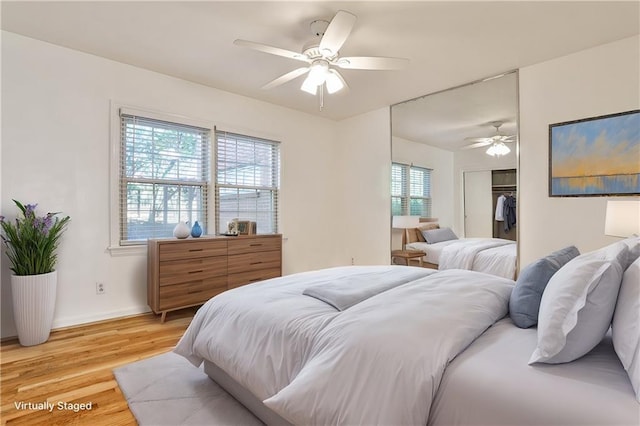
[[196, 230]]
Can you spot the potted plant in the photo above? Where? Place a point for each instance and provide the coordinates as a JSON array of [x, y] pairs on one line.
[[31, 242]]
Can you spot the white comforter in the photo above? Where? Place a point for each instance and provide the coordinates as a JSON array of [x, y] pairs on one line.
[[377, 362], [491, 255]]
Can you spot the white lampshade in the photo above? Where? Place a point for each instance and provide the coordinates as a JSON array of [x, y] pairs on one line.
[[405, 221], [309, 87], [334, 82], [622, 218], [318, 73]]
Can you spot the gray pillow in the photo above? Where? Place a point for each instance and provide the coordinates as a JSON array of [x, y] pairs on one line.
[[432, 236], [524, 303]]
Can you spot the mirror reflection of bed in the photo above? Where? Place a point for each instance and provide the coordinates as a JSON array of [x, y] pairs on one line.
[[445, 166]]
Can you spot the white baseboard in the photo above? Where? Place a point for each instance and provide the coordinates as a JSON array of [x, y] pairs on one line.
[[83, 319]]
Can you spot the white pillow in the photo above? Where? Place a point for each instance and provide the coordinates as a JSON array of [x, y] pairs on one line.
[[626, 325], [577, 305]]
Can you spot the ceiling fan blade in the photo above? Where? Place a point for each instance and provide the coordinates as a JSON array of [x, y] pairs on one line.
[[372, 63], [510, 138], [336, 33], [286, 77], [272, 50], [477, 145], [487, 140]]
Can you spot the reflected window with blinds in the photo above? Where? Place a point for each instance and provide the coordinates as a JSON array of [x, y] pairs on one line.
[[247, 181], [164, 176], [410, 190]]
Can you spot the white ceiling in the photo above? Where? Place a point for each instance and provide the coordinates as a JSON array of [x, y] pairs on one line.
[[448, 43], [446, 118]]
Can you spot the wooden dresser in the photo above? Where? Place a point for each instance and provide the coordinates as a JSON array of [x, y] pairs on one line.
[[188, 272]]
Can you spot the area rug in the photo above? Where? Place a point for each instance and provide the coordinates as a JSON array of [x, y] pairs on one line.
[[168, 390]]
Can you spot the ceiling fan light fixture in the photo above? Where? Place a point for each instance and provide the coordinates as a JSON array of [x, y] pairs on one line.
[[309, 87], [334, 82], [498, 149], [318, 72]]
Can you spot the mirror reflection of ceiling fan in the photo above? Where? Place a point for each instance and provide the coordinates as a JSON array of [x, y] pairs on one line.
[[498, 142], [323, 56]]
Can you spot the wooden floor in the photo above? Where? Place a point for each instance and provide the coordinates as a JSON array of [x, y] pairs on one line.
[[75, 366]]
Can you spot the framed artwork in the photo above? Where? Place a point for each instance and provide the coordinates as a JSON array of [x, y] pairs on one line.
[[246, 227], [598, 156], [232, 228]]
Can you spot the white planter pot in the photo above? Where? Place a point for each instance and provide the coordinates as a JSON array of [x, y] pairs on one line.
[[34, 300]]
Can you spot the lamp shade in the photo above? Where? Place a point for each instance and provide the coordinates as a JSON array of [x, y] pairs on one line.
[[405, 221], [622, 218]]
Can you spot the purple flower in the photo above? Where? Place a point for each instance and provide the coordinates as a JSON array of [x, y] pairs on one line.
[[30, 210], [1, 218], [47, 222]]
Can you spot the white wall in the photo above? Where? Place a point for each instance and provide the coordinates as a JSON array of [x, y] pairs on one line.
[[442, 190], [55, 152], [593, 82], [364, 159]]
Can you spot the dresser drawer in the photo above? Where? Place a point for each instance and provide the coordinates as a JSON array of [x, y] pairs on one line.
[[252, 245], [178, 271], [191, 293], [191, 249], [254, 261], [242, 278]]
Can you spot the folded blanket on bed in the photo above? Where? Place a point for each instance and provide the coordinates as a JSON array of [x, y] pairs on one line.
[[343, 294]]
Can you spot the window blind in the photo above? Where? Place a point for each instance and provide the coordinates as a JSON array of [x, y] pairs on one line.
[[164, 176], [247, 181], [410, 190]]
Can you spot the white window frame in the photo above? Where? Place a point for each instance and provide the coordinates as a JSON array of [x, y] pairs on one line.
[[115, 247], [406, 199]]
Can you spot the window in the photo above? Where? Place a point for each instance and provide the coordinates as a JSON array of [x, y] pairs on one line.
[[247, 181], [410, 190], [164, 176]]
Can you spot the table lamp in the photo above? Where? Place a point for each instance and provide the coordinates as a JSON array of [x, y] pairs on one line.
[[622, 218], [405, 222]]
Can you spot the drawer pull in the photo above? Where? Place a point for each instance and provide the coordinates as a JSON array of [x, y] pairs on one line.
[[253, 280], [193, 250], [255, 263], [194, 292], [255, 245], [195, 272]]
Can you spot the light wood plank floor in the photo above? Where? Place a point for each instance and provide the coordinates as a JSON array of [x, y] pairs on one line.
[[75, 366]]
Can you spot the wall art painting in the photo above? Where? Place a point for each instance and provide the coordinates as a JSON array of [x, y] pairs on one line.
[[598, 156]]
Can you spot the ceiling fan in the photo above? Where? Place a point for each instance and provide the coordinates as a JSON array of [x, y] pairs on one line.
[[323, 56], [496, 141]]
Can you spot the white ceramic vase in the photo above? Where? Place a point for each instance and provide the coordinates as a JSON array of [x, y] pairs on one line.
[[182, 230], [34, 300]]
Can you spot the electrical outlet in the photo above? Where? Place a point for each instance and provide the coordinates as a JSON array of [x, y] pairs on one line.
[[100, 288], [353, 261]]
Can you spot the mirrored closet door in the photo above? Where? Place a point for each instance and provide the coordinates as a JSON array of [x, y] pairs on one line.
[[460, 148]]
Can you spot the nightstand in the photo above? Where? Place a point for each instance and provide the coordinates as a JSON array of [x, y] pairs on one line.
[[407, 255]]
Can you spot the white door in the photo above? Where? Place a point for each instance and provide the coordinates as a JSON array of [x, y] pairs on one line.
[[478, 209]]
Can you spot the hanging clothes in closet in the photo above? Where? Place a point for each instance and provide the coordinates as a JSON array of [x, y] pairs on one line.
[[509, 212], [500, 209]]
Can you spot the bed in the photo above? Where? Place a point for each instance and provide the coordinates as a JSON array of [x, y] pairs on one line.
[[478, 390], [437, 348], [495, 256]]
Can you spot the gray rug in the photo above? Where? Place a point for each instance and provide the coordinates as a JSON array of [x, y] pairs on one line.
[[168, 390]]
